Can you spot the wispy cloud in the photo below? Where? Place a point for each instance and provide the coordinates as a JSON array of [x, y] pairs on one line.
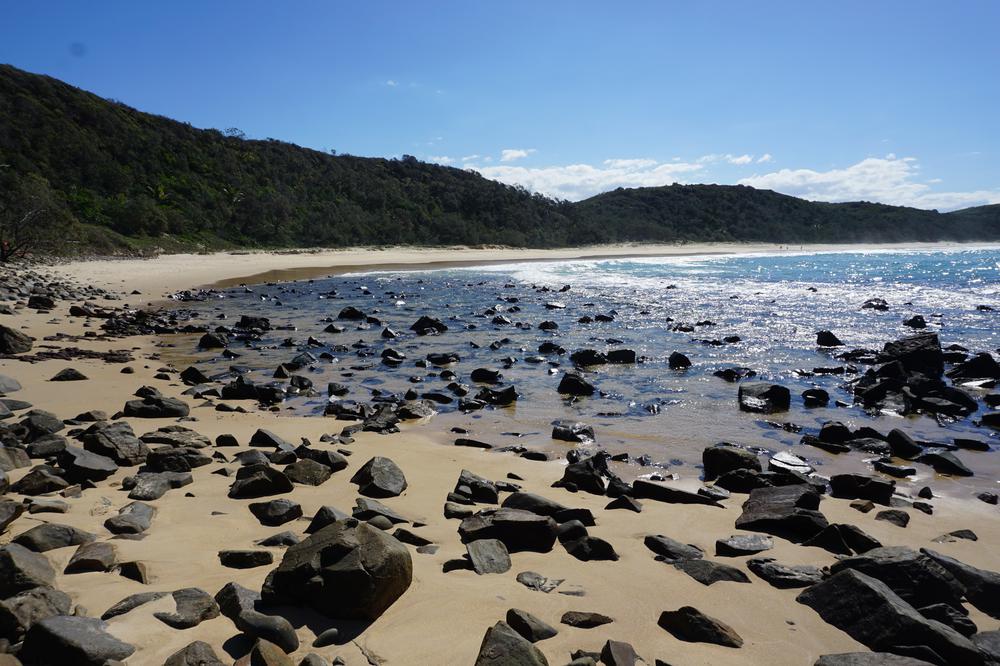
[[391, 83], [441, 159], [579, 181], [765, 158], [738, 160], [890, 179], [512, 154]]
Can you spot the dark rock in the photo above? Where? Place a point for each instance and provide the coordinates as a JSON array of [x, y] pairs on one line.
[[529, 626], [944, 462], [871, 613], [68, 639], [828, 339], [789, 512], [951, 616], [194, 606], [723, 458], [275, 512], [22, 610], [502, 646], [743, 544], [239, 604], [914, 576], [245, 559], [68, 375], [116, 441], [259, 481], [590, 548], [22, 569], [156, 408], [572, 383], [488, 556], [585, 619], [982, 587], [347, 570], [869, 659], [785, 576], [646, 489], [198, 653], [48, 536], [13, 341], [95, 556], [573, 431], [671, 550], [678, 361], [897, 517], [707, 572], [858, 486], [307, 472], [380, 477], [764, 398], [691, 625]]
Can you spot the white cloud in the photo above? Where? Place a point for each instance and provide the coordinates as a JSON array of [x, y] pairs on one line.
[[739, 160], [470, 158], [890, 179], [579, 181], [441, 159], [391, 83], [511, 154], [765, 158]]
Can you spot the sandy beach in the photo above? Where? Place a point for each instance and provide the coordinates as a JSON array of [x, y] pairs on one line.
[[443, 615]]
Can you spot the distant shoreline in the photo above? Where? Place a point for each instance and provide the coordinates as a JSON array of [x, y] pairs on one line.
[[170, 273]]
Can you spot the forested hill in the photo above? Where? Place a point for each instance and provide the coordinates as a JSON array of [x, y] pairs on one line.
[[121, 177]]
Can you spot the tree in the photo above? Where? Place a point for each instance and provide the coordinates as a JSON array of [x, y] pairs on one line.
[[32, 219]]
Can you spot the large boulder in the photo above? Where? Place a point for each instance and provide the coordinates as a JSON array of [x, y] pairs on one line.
[[877, 617], [722, 458], [69, 639], [691, 625], [914, 576], [116, 441], [22, 569], [156, 407], [918, 353], [982, 587], [239, 604], [859, 486], [346, 570], [19, 612]]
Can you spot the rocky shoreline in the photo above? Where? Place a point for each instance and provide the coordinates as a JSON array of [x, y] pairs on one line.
[[215, 530]]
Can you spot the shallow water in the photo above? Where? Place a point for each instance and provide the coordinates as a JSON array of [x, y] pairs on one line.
[[775, 304]]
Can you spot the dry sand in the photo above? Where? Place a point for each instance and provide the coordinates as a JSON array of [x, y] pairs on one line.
[[441, 619]]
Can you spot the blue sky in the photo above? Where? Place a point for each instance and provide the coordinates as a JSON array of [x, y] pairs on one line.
[[895, 101]]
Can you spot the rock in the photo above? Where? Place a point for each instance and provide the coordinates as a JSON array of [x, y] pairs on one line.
[[707, 572], [275, 512], [678, 361], [198, 653], [266, 653], [194, 606], [590, 548], [585, 619], [951, 616], [573, 431], [133, 518], [259, 480], [307, 472], [363, 571], [617, 653], [239, 604], [858, 486], [789, 512], [39, 481], [722, 458], [48, 536], [915, 577], [982, 587], [815, 397], [156, 408], [586, 475], [380, 477], [902, 445], [672, 551], [95, 556], [625, 502], [9, 512], [529, 626], [367, 509], [502, 646], [9, 385], [828, 339], [22, 569], [988, 643], [22, 610], [537, 504], [784, 576], [478, 489], [213, 341], [646, 489], [944, 462], [14, 458], [130, 603], [897, 517], [117, 442], [518, 530], [764, 398], [739, 545], [877, 617], [82, 465], [691, 625], [488, 556], [148, 486], [869, 659], [68, 639], [13, 341], [573, 383], [245, 559]]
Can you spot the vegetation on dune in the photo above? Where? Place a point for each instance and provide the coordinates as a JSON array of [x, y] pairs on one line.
[[114, 178]]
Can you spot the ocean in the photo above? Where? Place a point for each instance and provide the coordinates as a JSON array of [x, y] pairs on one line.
[[756, 311]]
